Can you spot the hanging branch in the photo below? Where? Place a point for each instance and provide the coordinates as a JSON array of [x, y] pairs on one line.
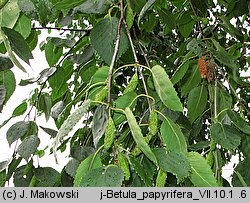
[[115, 52], [58, 64]]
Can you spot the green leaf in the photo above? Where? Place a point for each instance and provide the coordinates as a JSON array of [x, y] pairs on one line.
[[137, 135], [81, 152], [20, 110], [226, 135], [23, 26], [145, 9], [103, 37], [10, 52], [70, 122], [110, 176], [172, 136], [5, 63], [100, 120], [180, 72], [173, 162], [90, 6], [186, 24], [68, 4], [7, 78], [4, 165], [20, 179], [129, 17], [83, 57], [27, 7], [191, 80], [241, 176], [2, 96], [109, 134], [45, 104], [52, 53], [28, 146], [9, 14], [50, 131], [88, 164], [167, 18], [165, 89], [197, 102], [18, 44], [57, 109], [121, 103], [72, 166], [239, 122], [161, 178], [17, 130], [222, 56], [201, 174], [140, 170], [46, 176]]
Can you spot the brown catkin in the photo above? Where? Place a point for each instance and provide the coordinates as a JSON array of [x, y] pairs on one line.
[[210, 71], [202, 67]]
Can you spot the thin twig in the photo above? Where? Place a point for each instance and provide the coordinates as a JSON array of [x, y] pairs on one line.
[[141, 73], [115, 52], [63, 29]]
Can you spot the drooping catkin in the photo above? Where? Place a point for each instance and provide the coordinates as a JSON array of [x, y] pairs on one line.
[[202, 67]]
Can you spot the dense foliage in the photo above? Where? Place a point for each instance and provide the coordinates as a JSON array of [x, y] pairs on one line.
[[155, 85]]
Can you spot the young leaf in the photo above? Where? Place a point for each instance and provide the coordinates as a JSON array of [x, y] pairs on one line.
[[100, 120], [172, 136], [103, 37], [88, 164], [110, 176], [70, 122], [201, 174], [28, 146], [109, 133], [226, 135], [165, 89], [173, 162], [197, 102], [137, 135], [18, 44]]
